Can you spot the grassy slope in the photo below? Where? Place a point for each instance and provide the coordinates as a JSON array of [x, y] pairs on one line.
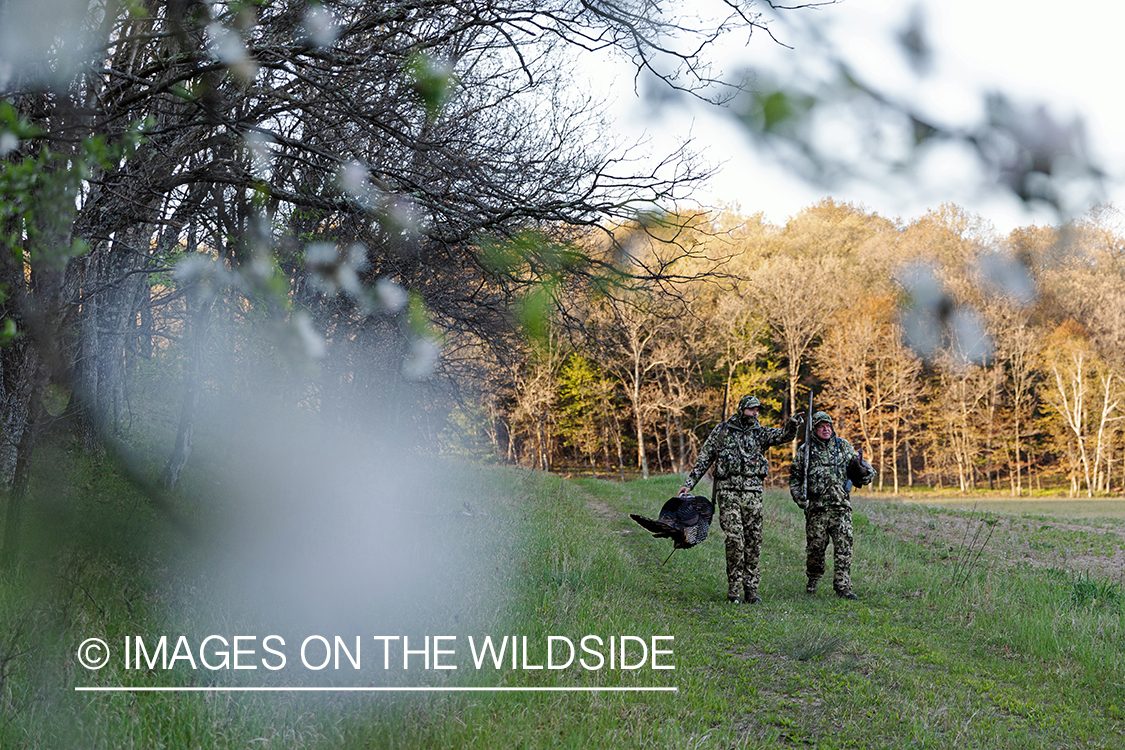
[[933, 655]]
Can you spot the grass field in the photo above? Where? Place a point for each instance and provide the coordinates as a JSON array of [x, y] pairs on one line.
[[974, 629], [1062, 507]]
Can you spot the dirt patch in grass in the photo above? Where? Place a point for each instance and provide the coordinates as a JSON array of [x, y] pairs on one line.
[[601, 509], [1094, 546]]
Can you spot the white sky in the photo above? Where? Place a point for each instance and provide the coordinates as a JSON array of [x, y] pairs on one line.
[[1067, 56]]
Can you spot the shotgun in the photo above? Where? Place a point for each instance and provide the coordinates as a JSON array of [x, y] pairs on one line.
[[808, 443]]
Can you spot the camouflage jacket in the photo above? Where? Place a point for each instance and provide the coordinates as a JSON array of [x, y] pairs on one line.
[[737, 449], [828, 484]]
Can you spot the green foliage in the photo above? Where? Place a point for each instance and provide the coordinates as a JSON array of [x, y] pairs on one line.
[[15, 125], [1095, 594], [9, 332], [135, 9], [585, 400], [759, 380], [431, 80], [467, 434], [418, 318], [36, 208], [37, 196], [534, 310], [777, 110], [537, 267]]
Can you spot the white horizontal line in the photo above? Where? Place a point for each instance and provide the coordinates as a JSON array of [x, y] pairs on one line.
[[173, 689]]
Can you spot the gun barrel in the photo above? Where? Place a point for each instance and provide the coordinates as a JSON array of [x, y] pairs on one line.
[[808, 440]]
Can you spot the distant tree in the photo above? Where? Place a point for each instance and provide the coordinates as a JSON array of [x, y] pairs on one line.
[[536, 389], [628, 334], [734, 331], [679, 389], [1086, 393], [872, 376], [1082, 277], [587, 411], [797, 296], [957, 413], [1018, 345]]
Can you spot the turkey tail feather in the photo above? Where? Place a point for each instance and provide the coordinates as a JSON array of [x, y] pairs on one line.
[[659, 529]]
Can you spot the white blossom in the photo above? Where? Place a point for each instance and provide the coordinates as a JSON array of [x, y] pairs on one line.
[[334, 270], [260, 148], [403, 217], [227, 47], [391, 296], [205, 270], [320, 26], [8, 140], [921, 323], [311, 339], [970, 340], [1008, 277], [422, 359], [352, 178]]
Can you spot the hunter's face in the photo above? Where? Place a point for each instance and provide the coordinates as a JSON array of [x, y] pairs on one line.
[[824, 430], [750, 411]]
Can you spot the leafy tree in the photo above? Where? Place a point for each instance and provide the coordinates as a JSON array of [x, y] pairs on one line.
[[586, 409]]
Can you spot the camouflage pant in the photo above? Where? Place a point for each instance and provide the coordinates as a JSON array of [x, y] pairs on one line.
[[740, 515], [835, 523]]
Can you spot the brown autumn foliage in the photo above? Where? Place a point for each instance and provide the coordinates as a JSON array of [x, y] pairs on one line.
[[1021, 387]]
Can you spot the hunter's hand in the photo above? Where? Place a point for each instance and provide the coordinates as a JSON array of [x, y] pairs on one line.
[[684, 491]]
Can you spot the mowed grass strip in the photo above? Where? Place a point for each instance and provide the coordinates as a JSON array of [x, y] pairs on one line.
[[950, 648]]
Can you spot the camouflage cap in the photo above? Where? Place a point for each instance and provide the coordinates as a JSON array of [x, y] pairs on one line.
[[748, 402], [821, 416]]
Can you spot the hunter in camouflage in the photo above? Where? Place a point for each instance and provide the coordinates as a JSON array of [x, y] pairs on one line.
[[737, 449], [828, 510]]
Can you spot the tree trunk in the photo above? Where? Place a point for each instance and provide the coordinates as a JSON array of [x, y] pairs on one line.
[[1018, 486], [605, 449], [681, 460], [642, 457], [110, 296], [540, 448], [43, 316], [18, 485], [199, 303], [668, 442], [909, 463], [620, 449], [894, 450]]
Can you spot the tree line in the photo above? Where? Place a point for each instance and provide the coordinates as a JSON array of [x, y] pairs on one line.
[[953, 356]]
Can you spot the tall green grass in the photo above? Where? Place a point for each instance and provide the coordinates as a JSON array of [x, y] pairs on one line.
[[936, 653]]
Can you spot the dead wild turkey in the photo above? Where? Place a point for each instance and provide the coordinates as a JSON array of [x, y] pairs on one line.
[[684, 520]]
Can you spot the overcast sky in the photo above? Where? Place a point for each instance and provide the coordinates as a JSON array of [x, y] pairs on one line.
[[1067, 56]]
